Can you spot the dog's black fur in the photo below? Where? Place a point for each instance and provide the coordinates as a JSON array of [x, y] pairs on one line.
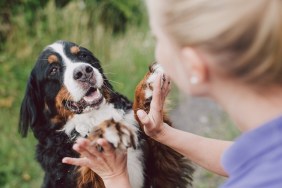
[[38, 109]]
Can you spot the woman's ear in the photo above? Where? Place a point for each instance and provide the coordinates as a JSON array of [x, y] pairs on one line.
[[197, 70]]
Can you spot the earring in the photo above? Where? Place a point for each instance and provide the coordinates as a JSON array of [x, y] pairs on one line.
[[194, 80]]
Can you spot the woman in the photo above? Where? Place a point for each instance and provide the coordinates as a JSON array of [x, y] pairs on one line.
[[231, 52]]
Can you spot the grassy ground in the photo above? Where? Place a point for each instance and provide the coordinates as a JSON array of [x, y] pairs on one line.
[[124, 58]]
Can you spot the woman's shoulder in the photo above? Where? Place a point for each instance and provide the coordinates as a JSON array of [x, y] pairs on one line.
[[255, 157]]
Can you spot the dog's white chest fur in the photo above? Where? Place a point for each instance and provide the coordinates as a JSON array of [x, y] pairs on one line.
[[84, 124]]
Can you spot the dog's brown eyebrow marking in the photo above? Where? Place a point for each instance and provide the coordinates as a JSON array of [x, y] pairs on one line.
[[53, 59], [74, 49]]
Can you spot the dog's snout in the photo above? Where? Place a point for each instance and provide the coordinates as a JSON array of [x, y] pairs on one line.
[[83, 73]]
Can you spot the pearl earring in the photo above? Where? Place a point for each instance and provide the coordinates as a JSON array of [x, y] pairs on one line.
[[194, 80]]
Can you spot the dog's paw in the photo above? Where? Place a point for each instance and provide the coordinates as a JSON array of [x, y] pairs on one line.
[[144, 89], [154, 70], [117, 134]]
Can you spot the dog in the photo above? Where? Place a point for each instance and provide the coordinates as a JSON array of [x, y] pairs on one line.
[[67, 97]]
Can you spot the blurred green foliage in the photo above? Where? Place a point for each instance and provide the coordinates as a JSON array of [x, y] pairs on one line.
[[113, 15]]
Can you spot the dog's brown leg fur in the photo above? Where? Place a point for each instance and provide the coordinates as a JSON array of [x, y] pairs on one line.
[[89, 179]]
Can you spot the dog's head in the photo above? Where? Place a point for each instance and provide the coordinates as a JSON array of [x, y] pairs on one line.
[[67, 79]]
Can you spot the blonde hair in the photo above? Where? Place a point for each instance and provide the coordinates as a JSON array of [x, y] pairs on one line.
[[245, 35]]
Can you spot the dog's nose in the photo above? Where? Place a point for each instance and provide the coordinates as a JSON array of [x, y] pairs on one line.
[[83, 73]]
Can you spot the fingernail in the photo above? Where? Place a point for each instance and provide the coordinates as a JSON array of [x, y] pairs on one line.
[[140, 114], [79, 140], [164, 78], [75, 147]]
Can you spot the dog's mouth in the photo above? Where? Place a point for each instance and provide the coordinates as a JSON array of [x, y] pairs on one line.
[[91, 100]]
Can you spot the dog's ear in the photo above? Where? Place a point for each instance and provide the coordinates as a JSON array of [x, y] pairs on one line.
[[29, 111]]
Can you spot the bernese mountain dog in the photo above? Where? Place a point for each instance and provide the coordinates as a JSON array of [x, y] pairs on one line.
[[68, 96]]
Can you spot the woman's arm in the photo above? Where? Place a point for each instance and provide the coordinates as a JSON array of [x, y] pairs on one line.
[[203, 151]]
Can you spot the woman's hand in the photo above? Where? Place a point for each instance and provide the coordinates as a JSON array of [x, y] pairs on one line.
[[110, 164], [153, 121]]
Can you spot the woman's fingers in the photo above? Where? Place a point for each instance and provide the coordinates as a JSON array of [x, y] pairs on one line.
[[107, 147], [144, 118], [161, 88], [156, 103], [154, 119], [90, 152], [107, 163], [91, 147], [149, 124], [85, 152], [166, 86], [76, 161]]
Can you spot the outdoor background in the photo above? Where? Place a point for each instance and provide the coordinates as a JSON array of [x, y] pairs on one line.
[[117, 33]]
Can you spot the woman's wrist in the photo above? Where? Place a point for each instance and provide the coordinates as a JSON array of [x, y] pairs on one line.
[[162, 134], [118, 181]]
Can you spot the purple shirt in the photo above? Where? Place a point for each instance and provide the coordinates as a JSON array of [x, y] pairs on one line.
[[255, 159]]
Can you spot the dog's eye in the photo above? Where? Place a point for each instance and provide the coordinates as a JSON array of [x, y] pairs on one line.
[[84, 56], [53, 71]]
